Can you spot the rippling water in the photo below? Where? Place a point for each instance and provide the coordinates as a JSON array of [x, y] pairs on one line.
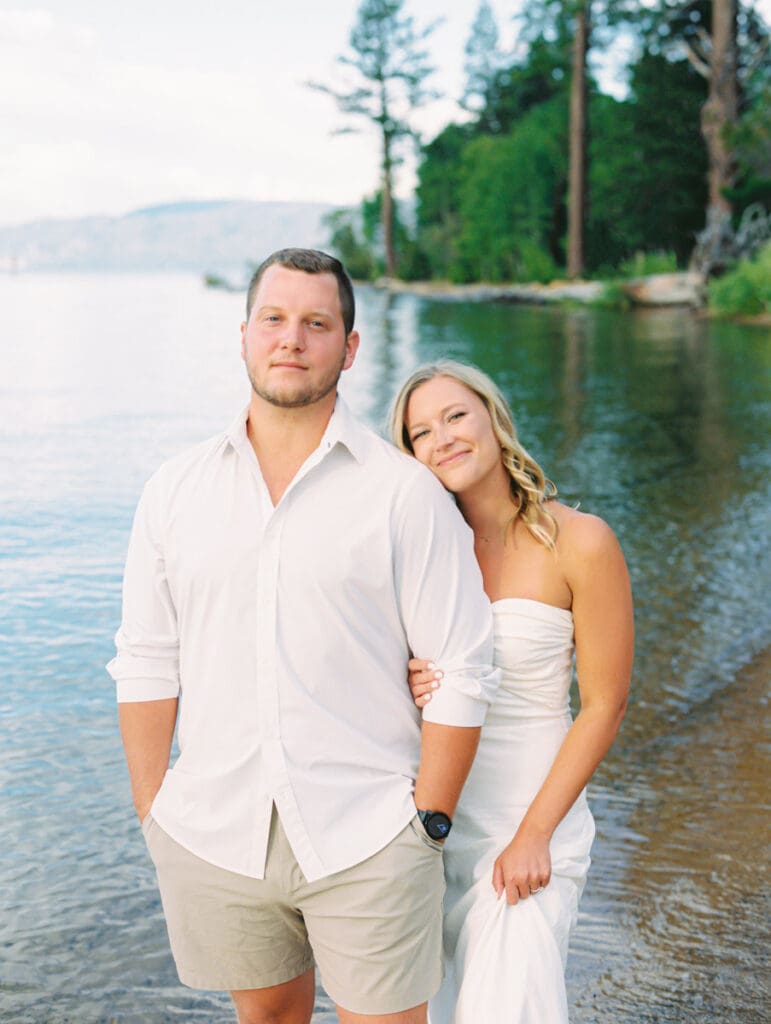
[[658, 422]]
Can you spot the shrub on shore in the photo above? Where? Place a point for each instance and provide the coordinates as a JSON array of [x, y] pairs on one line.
[[746, 290]]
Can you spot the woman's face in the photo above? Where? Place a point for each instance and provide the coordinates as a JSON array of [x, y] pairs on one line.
[[450, 431]]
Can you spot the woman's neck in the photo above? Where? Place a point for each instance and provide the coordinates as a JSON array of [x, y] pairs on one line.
[[488, 514]]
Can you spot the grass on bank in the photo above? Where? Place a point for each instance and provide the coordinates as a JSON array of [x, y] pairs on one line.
[[744, 291]]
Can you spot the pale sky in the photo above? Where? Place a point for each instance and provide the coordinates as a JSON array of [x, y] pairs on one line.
[[107, 107]]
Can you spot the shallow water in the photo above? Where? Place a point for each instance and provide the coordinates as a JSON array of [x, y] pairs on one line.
[[657, 422]]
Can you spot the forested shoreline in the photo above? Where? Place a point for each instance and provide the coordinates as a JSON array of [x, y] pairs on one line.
[[547, 177]]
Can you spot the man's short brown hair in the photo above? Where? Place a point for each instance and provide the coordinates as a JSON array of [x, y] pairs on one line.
[[310, 261]]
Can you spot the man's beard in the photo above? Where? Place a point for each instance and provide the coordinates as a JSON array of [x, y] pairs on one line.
[[297, 398]]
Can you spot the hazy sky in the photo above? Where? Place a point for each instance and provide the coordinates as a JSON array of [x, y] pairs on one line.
[[109, 106]]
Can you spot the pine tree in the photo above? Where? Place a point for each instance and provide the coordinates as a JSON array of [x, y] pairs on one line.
[[389, 67], [483, 63]]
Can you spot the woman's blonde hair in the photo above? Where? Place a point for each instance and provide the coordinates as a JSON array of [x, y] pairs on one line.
[[530, 489]]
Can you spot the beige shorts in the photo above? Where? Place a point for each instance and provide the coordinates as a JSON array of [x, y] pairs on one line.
[[375, 929]]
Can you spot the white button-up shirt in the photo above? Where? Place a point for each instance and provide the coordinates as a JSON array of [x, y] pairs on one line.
[[286, 631]]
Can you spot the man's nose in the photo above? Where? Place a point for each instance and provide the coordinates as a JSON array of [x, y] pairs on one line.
[[292, 336]]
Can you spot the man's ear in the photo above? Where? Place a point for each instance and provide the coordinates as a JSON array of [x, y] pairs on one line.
[[351, 348]]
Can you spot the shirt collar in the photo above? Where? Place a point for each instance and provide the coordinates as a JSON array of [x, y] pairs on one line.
[[343, 428]]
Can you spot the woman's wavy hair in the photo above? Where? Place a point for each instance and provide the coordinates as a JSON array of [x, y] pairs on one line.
[[530, 489]]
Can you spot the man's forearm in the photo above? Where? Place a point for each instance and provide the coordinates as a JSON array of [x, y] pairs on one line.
[[147, 730], [446, 754]]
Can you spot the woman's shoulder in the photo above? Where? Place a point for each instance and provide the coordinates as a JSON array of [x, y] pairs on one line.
[[581, 534]]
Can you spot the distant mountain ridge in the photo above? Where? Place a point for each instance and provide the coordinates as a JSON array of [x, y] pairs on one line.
[[187, 235]]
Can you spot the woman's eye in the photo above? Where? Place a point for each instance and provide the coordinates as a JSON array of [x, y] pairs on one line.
[[456, 416], [417, 437]]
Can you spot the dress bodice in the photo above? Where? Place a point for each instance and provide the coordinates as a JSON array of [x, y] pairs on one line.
[[534, 651]]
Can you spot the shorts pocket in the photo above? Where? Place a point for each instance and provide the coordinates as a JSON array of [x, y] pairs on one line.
[[417, 827], [147, 821]]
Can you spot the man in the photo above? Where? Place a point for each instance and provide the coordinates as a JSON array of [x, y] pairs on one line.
[[277, 579]]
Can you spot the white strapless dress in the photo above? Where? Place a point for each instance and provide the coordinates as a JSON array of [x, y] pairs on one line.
[[506, 964]]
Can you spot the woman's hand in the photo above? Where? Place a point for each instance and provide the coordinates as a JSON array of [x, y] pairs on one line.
[[523, 868], [424, 677]]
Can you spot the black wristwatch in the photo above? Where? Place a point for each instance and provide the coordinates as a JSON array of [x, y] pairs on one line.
[[436, 823]]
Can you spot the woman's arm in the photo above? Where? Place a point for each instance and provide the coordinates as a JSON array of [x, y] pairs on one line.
[[595, 570]]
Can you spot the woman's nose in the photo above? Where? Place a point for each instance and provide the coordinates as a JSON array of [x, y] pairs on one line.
[[443, 436]]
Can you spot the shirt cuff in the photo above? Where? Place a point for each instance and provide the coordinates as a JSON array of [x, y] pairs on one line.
[[132, 691], [450, 707]]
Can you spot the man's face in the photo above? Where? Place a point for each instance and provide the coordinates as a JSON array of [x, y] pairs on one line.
[[294, 343]]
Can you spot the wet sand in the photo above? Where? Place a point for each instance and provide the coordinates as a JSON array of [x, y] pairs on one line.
[[676, 914]]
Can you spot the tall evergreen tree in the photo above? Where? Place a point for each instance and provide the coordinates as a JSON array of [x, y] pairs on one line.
[[483, 63], [389, 67]]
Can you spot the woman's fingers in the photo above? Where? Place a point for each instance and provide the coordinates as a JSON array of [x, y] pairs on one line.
[[517, 879], [424, 678], [419, 664], [519, 889]]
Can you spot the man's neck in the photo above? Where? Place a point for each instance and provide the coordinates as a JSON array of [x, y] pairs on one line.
[[283, 438]]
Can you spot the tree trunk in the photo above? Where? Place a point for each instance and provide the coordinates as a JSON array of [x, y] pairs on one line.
[[577, 144], [387, 206], [387, 202], [718, 114]]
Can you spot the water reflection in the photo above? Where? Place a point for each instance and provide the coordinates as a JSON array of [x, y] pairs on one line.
[[657, 422]]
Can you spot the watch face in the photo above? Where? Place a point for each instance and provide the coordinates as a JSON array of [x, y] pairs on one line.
[[438, 825]]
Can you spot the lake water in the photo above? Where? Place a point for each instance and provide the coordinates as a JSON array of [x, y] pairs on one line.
[[657, 422]]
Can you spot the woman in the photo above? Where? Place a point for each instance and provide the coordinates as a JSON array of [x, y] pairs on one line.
[[519, 853]]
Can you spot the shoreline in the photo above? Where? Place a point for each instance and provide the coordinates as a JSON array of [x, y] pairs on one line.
[[684, 289]]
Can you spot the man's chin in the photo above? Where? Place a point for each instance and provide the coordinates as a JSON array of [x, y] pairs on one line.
[[291, 398]]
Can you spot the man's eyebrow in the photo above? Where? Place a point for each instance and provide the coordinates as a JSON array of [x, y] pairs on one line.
[[311, 312]]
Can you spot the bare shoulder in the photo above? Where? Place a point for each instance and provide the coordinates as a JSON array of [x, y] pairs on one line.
[[583, 539]]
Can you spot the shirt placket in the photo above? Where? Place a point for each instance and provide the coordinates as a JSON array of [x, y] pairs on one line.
[[268, 670]]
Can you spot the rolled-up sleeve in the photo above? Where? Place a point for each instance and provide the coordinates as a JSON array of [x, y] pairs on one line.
[[146, 666], [446, 613]]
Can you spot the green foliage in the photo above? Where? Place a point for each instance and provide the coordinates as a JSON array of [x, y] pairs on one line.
[[745, 291], [644, 263], [484, 60], [388, 63], [438, 198], [751, 143], [345, 243], [492, 193], [613, 296], [356, 239], [647, 165], [515, 90], [506, 199]]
